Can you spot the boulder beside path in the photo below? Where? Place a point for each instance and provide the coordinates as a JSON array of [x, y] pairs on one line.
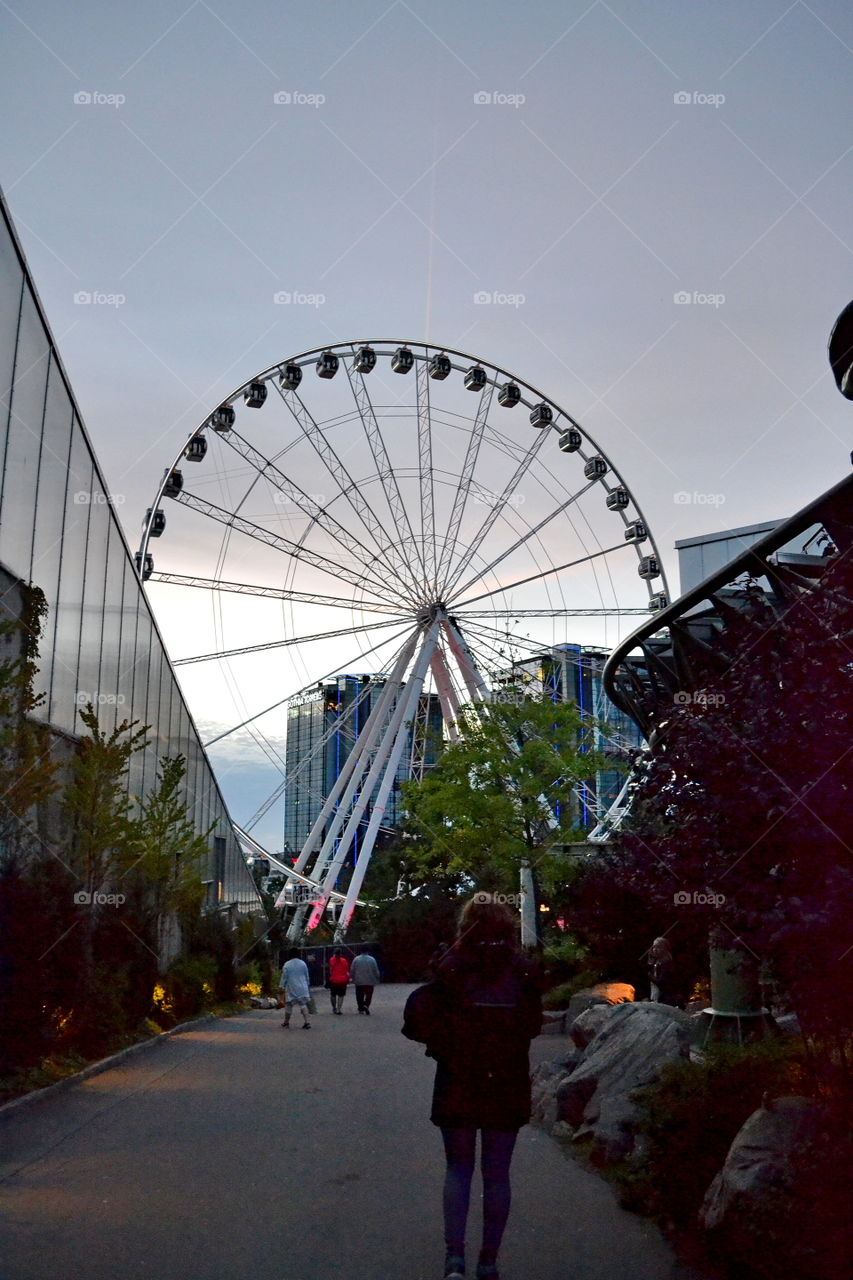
[[630, 1046]]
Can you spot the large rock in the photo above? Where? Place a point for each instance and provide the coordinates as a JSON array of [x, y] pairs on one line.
[[633, 1044], [544, 1083], [772, 1208], [614, 992], [559, 1022], [554, 1022], [587, 1025]]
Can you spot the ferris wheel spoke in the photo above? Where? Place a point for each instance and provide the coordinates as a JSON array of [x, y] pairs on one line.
[[396, 563], [384, 470], [277, 540], [536, 577], [548, 613], [350, 662], [498, 505], [527, 535], [425, 471], [463, 488], [276, 593], [303, 501], [283, 644], [479, 638]]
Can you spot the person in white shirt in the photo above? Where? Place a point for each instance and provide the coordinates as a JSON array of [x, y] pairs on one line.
[[365, 975], [296, 987]]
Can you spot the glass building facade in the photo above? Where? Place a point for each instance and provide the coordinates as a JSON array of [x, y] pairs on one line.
[[59, 531], [573, 672], [322, 728]]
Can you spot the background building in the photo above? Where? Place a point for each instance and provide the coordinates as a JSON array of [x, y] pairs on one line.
[[572, 672], [337, 711], [699, 557], [59, 531]]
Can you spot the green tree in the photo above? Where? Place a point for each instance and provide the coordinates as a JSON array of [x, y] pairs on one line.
[[169, 853], [504, 793], [27, 771], [97, 809]]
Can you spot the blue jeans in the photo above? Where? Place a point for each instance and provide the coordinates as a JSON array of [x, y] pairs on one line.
[[460, 1147]]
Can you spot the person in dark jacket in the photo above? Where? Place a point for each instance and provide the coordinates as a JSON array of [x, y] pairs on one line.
[[477, 1018]]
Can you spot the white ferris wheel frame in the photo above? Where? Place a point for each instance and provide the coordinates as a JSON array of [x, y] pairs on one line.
[[426, 598]]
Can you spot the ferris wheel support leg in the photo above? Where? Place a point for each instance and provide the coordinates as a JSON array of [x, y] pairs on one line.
[[476, 685], [390, 747], [296, 927], [446, 694], [356, 761], [413, 693], [329, 860]]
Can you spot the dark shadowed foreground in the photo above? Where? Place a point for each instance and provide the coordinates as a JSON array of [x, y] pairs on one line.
[[239, 1151]]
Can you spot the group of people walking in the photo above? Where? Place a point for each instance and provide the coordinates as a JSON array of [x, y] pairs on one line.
[[295, 984], [363, 973]]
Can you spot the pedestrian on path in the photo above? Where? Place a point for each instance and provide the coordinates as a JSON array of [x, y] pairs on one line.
[[661, 966], [365, 976], [339, 976], [296, 987], [477, 1018]]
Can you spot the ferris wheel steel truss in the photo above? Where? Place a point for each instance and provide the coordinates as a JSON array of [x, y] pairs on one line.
[[408, 571]]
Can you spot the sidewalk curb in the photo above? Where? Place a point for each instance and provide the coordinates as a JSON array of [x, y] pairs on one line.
[[95, 1068]]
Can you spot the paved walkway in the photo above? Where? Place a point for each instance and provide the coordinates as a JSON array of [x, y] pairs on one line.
[[239, 1151]]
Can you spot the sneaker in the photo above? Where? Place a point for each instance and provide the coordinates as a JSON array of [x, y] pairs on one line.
[[367, 1011], [487, 1271], [306, 1026], [454, 1267], [285, 1025]]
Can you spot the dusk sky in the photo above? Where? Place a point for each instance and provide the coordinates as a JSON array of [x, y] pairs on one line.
[[643, 209]]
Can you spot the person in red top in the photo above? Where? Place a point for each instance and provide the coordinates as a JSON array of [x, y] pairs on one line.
[[338, 979]]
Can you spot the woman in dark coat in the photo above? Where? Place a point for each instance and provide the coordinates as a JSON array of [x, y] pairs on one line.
[[477, 1018]]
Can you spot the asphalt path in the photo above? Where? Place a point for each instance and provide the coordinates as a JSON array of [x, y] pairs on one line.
[[241, 1151]]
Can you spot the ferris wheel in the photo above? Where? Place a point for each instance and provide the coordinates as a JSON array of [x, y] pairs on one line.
[[427, 509]]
